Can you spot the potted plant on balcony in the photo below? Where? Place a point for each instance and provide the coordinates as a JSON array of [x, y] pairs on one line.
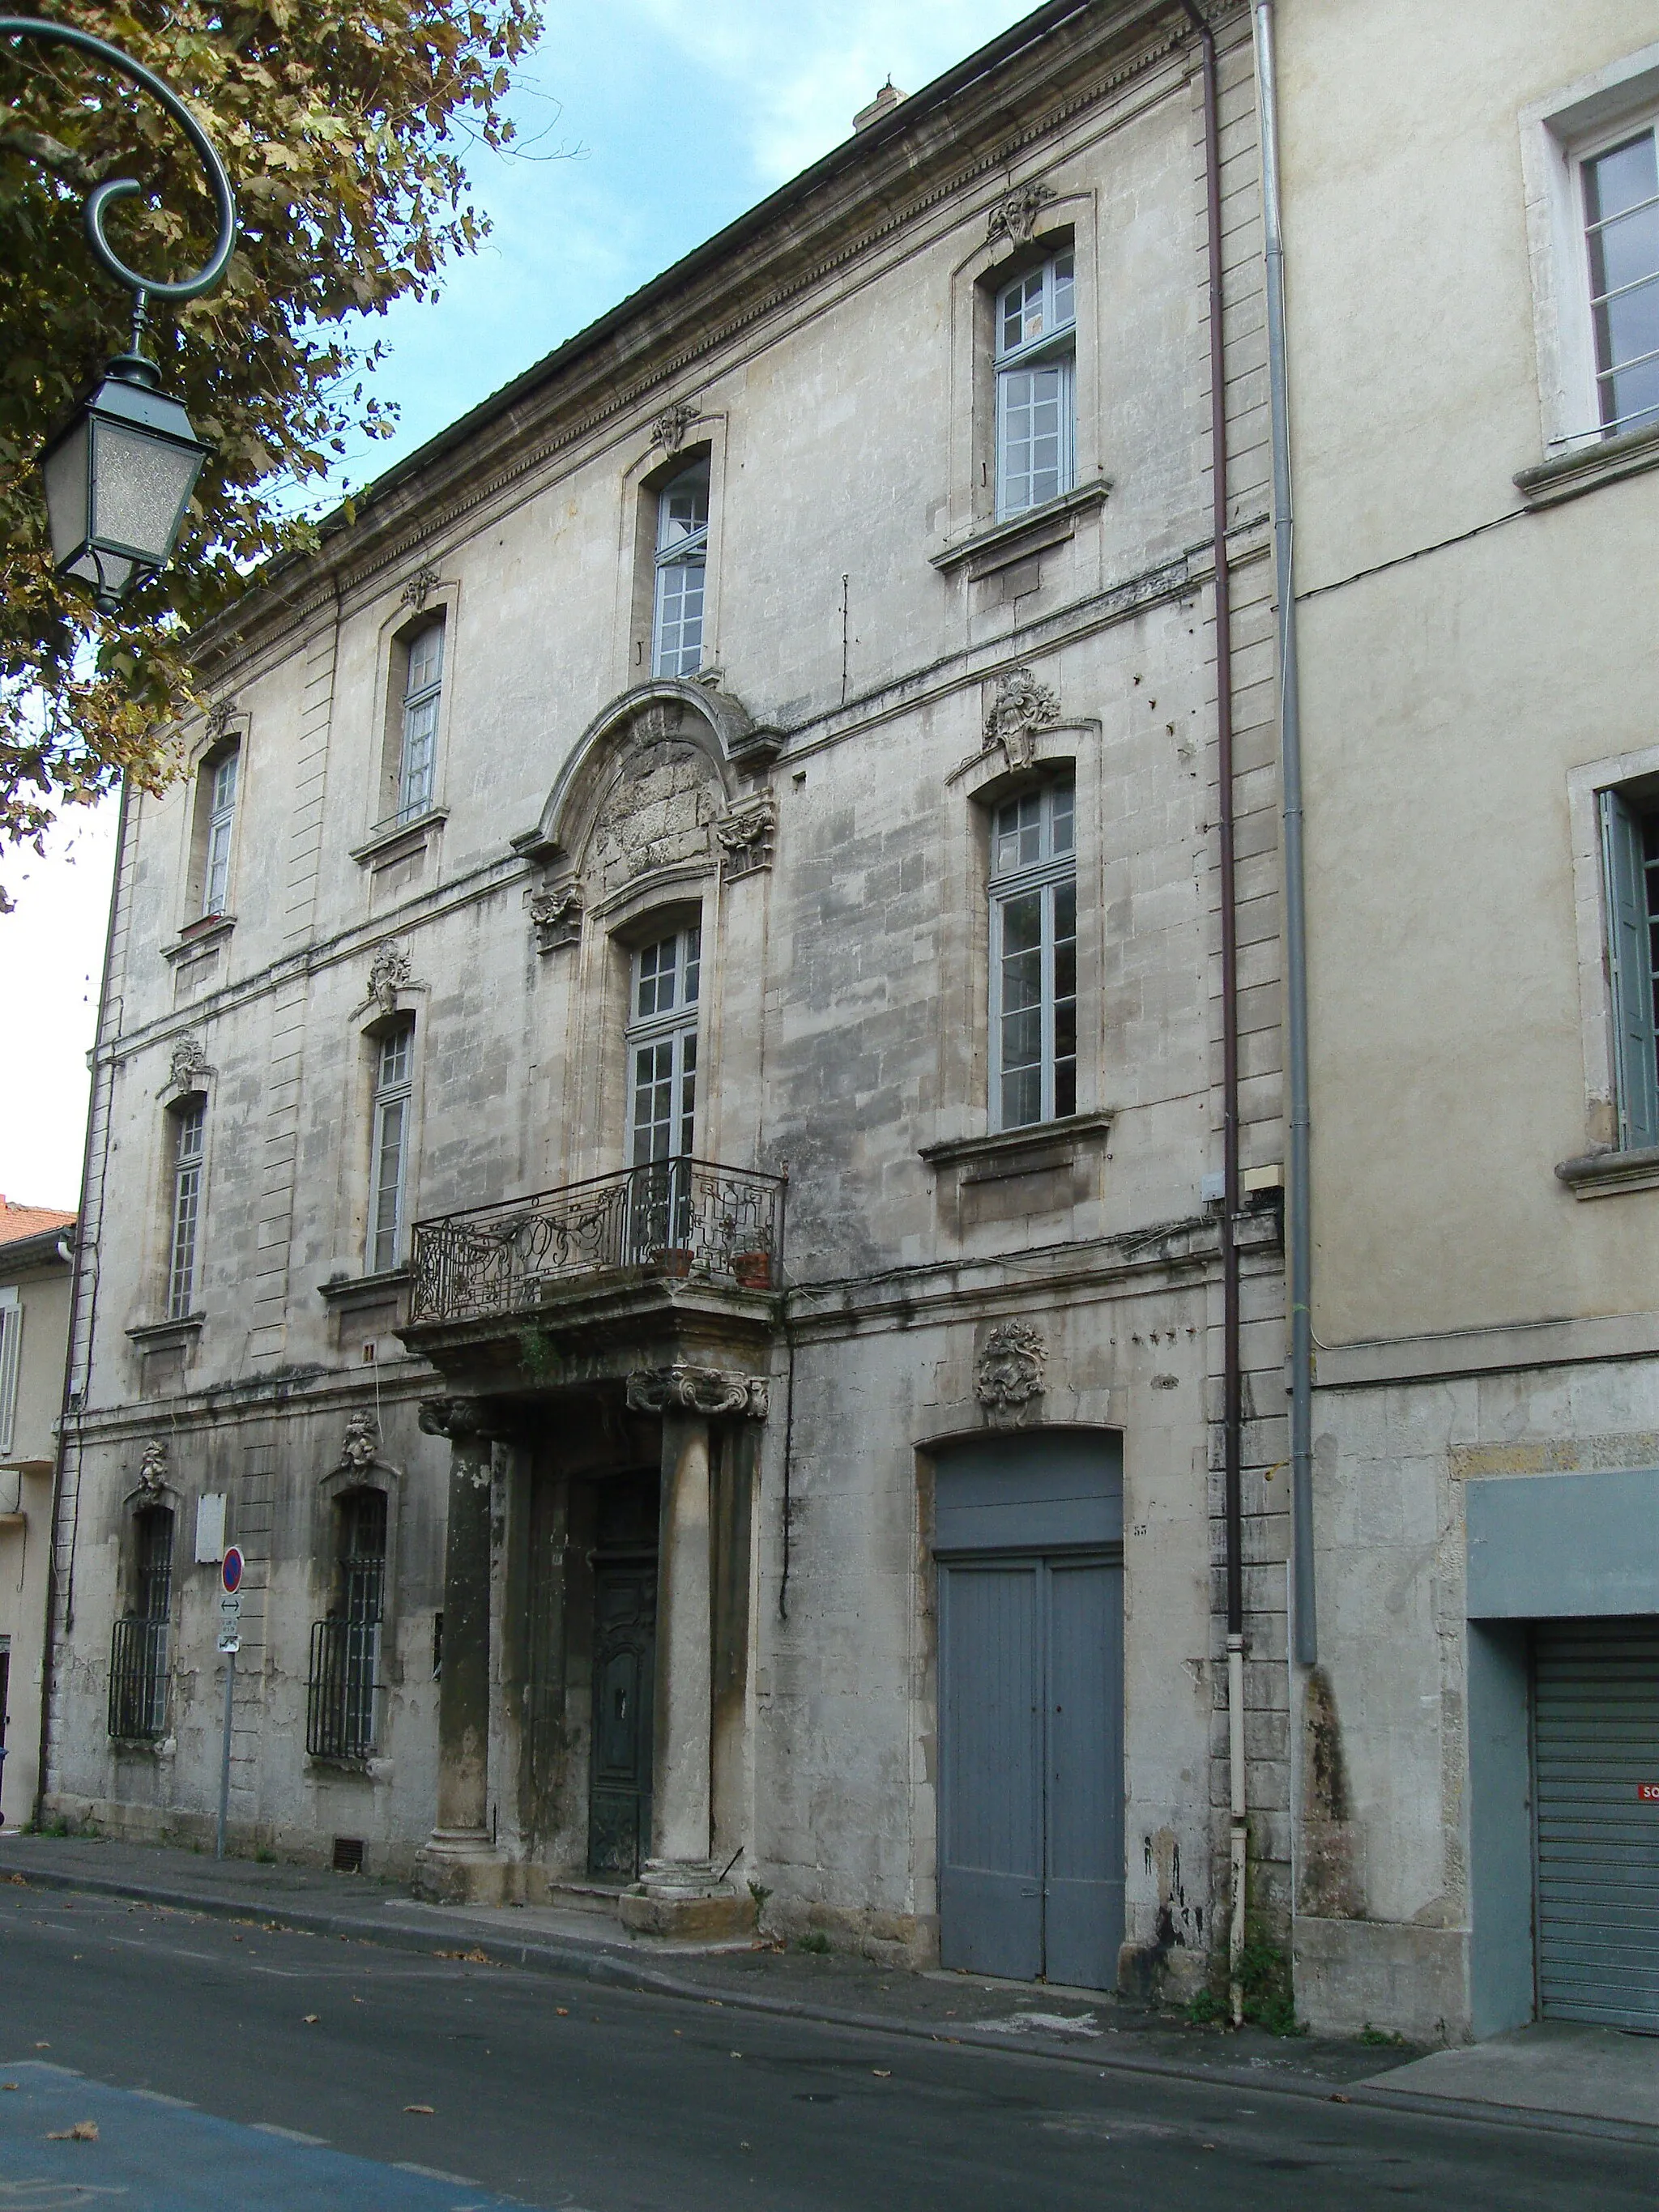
[[670, 1259], [752, 1271]]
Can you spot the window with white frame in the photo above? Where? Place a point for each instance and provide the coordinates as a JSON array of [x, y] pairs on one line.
[[1620, 186], [189, 1135], [1033, 893], [11, 1333], [422, 690], [662, 1046], [682, 573], [1035, 375], [393, 1076], [220, 794], [1629, 872]]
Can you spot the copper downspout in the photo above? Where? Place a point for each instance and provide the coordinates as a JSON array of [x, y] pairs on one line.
[[1231, 1360]]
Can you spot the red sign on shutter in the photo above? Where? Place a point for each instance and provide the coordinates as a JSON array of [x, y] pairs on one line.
[[1647, 1792]]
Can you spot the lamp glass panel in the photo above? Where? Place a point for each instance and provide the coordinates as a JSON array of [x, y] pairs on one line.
[[65, 472], [139, 487]]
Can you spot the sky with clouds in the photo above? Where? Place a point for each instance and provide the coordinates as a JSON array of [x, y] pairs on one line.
[[646, 125]]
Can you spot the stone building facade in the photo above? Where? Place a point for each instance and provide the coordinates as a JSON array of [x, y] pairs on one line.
[[658, 1134]]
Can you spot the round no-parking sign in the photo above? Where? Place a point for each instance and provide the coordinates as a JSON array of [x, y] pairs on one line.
[[230, 1570]]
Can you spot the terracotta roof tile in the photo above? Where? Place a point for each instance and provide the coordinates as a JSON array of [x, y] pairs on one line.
[[18, 1221]]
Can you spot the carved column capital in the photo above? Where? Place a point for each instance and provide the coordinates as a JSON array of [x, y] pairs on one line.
[[711, 1391], [457, 1418]]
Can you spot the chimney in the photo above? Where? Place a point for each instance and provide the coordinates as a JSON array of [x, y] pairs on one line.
[[884, 101]]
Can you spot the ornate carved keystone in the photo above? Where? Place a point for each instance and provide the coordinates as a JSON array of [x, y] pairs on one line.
[[1021, 709], [1014, 217], [1010, 1366]]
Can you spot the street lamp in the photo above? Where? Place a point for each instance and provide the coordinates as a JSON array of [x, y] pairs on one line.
[[119, 473]]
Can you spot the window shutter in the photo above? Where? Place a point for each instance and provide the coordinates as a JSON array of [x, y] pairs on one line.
[[1635, 1056], [11, 1330]]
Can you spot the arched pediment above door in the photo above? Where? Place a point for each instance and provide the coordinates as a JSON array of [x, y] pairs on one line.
[[646, 779]]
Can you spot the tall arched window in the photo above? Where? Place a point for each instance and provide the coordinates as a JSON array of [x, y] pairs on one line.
[[423, 689], [662, 1091], [394, 1067], [682, 571], [1034, 958], [1036, 352], [189, 1120]]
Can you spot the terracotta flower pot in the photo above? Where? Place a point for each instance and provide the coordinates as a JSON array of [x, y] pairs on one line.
[[752, 1271]]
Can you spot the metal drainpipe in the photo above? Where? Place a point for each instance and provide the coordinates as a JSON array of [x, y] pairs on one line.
[[1231, 1360], [1305, 1620]]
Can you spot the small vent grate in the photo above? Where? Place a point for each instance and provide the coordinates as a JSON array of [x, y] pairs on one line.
[[347, 1855]]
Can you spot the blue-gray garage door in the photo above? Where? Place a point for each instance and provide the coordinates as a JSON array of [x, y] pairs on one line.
[[1031, 1708], [1595, 1748]]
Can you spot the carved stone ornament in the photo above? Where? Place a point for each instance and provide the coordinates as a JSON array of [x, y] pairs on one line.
[[387, 976], [557, 917], [153, 1469], [709, 1390], [361, 1447], [1014, 217], [668, 428], [659, 813], [1009, 1368], [220, 717], [746, 835], [454, 1418], [188, 1068], [1021, 709], [419, 589]]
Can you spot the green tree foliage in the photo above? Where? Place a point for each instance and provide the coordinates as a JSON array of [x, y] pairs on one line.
[[346, 130]]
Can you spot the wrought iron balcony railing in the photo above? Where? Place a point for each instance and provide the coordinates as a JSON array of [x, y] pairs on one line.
[[675, 1218], [138, 1679], [340, 1715]]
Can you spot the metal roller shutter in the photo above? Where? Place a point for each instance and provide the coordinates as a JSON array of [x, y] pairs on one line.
[[1595, 1737]]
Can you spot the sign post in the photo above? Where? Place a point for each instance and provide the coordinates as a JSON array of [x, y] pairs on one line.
[[230, 1642]]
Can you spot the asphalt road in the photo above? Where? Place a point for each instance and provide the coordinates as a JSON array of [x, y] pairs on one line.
[[559, 2093]]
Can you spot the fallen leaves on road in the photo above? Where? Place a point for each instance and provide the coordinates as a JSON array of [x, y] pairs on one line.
[[17, 1881], [475, 1957], [10, 2085], [1337, 2098], [311, 2018], [563, 2011], [429, 2110], [43, 2046], [82, 2131], [882, 2073]]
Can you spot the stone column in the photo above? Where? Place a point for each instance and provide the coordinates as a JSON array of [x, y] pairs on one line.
[[681, 1779], [679, 1892], [454, 1865]]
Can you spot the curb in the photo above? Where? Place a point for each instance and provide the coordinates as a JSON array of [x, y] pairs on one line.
[[616, 1969]]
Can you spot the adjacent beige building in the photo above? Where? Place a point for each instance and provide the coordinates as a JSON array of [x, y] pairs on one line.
[[37, 1248], [1473, 276]]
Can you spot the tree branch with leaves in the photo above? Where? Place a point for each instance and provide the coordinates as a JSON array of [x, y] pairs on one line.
[[345, 131]]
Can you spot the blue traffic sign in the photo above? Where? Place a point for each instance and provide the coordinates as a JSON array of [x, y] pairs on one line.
[[230, 1570]]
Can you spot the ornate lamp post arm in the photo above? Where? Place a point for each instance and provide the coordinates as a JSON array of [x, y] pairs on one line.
[[119, 474], [114, 188]]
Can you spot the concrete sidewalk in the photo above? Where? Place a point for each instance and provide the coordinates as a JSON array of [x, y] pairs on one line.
[[1607, 2087]]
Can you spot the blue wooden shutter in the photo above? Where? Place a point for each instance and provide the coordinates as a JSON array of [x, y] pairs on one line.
[[1635, 1055]]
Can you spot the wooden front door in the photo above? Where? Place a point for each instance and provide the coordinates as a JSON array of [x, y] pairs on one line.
[[625, 1664]]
